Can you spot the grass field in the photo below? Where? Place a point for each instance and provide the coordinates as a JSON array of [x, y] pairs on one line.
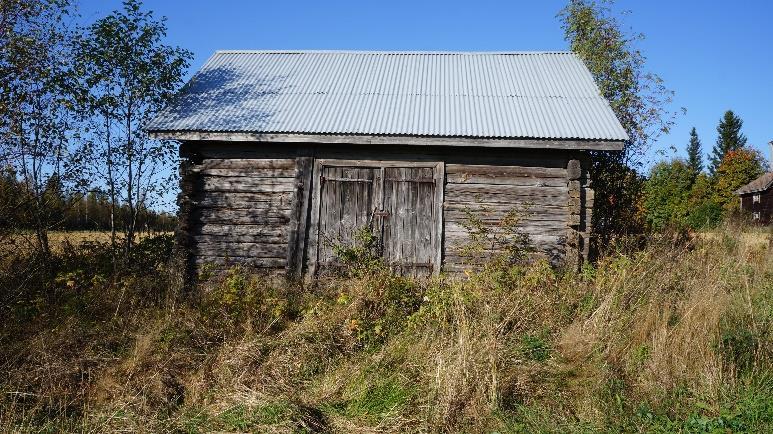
[[674, 337], [60, 239], [757, 236]]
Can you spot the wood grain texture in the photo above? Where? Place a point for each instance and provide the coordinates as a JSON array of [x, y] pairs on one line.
[[400, 202], [260, 195], [296, 242], [229, 248], [238, 200], [267, 263], [538, 195], [246, 184], [346, 204], [240, 208]]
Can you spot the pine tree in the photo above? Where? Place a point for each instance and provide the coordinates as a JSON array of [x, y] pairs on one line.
[[729, 138], [694, 157]]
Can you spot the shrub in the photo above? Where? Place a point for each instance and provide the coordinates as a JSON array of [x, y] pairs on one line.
[[497, 244], [666, 193], [673, 334], [737, 169]]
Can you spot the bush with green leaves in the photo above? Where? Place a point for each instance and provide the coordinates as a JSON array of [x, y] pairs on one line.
[[667, 191], [738, 168], [495, 244]]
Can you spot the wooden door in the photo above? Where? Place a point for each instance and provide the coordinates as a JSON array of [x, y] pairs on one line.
[[346, 205], [409, 234], [401, 203]]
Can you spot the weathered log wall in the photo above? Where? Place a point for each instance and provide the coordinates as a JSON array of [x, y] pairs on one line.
[[237, 207], [537, 193], [251, 203]]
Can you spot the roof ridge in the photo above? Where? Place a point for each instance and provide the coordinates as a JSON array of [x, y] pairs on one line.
[[397, 52]]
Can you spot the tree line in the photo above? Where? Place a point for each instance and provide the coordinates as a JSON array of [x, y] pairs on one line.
[[683, 193], [73, 103], [81, 211], [676, 193]]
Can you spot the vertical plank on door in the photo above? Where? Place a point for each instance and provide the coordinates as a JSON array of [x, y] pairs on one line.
[[409, 229], [345, 205]]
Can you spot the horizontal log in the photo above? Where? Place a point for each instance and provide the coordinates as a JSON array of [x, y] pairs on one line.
[[265, 217], [277, 200], [251, 250], [496, 171], [458, 225], [454, 258], [257, 213], [506, 189], [530, 203], [247, 163], [251, 238], [503, 207], [498, 214], [246, 184], [455, 239], [538, 242], [248, 171], [244, 151], [459, 233], [523, 181], [531, 227], [239, 230], [200, 260]]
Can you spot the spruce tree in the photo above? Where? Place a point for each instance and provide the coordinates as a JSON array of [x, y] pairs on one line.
[[729, 138], [694, 157]]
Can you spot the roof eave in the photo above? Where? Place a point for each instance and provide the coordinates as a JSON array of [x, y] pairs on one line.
[[741, 192], [380, 139]]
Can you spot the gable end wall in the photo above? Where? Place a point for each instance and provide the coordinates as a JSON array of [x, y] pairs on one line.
[[250, 203]]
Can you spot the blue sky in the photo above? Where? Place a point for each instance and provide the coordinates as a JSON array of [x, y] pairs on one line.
[[714, 55]]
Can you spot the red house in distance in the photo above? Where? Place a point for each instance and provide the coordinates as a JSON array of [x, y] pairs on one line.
[[757, 196]]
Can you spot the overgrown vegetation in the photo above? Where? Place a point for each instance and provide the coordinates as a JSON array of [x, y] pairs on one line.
[[639, 99], [674, 337], [663, 334], [677, 197]]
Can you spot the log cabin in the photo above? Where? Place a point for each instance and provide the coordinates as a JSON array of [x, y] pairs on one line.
[[284, 151], [757, 199]]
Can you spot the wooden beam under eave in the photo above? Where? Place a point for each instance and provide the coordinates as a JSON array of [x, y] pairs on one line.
[[593, 145]]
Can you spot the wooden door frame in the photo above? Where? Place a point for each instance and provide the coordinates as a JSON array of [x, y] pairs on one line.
[[439, 174]]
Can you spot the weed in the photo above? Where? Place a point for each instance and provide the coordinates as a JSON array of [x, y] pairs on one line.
[[662, 335]]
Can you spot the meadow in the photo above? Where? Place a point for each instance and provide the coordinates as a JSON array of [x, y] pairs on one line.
[[672, 336], [64, 239]]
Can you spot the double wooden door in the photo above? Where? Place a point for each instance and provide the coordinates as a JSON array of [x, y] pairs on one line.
[[398, 203]]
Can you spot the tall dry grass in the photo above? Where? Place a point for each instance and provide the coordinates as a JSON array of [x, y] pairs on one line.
[[672, 337]]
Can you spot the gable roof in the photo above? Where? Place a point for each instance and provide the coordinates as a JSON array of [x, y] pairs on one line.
[[762, 183], [515, 95]]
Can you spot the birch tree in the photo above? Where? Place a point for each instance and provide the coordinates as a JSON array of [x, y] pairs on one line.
[[38, 93], [131, 74], [639, 99]]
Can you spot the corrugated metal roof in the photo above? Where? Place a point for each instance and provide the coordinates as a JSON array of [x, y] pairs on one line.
[[760, 184], [543, 95]]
